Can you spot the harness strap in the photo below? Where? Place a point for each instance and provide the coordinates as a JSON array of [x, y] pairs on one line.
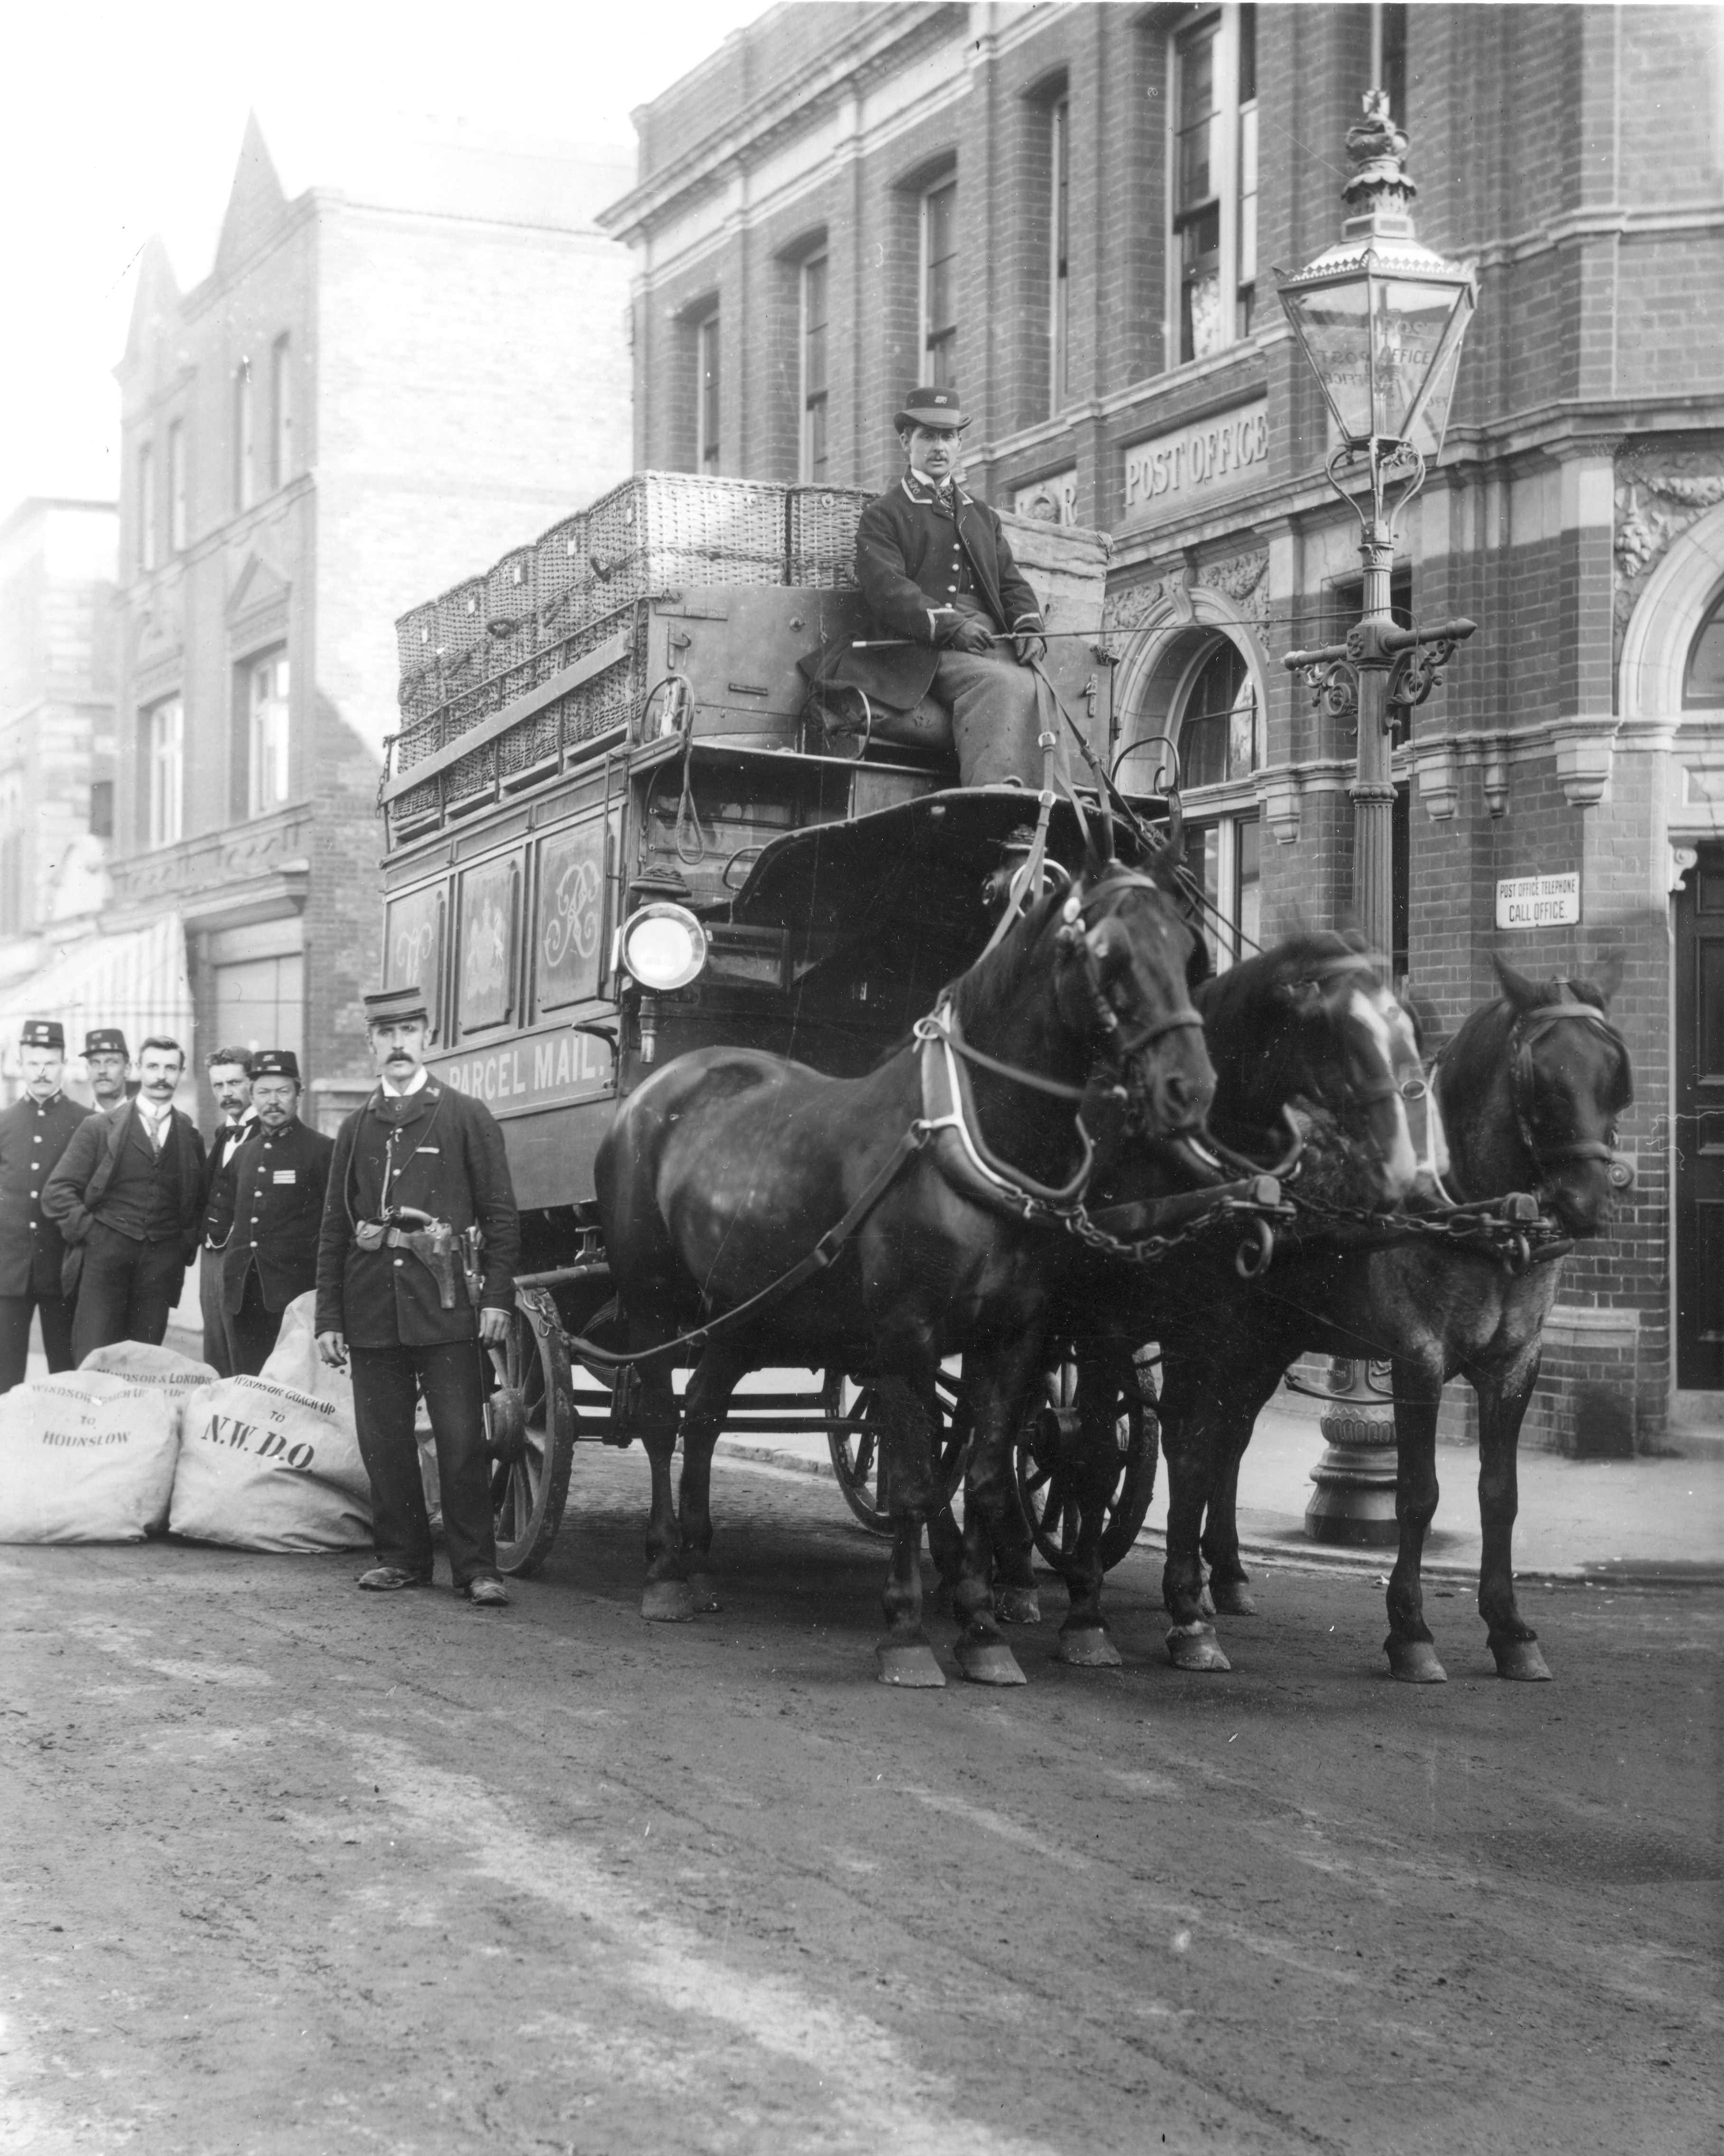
[[971, 1166], [824, 1253]]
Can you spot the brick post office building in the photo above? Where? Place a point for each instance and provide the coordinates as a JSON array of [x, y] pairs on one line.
[[1072, 214], [376, 384]]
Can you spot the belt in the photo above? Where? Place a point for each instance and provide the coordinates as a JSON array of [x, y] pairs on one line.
[[398, 1239]]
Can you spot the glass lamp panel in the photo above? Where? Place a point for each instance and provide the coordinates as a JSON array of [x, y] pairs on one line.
[[1408, 319], [1331, 321]]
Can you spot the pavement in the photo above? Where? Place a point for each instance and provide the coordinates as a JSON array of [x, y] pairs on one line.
[[1656, 1519]]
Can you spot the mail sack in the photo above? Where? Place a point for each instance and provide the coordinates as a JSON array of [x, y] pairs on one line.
[[174, 1376], [265, 1466], [87, 1456], [294, 1361]]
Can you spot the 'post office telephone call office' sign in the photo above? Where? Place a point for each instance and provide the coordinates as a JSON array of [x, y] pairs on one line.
[[1538, 901], [1177, 472]]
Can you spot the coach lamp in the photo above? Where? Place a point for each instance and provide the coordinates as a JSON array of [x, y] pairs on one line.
[[1380, 318], [663, 948]]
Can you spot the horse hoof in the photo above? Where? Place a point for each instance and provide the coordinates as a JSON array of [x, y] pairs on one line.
[[1206, 1601], [1414, 1661], [1232, 1598], [988, 1662], [1017, 1605], [667, 1602], [704, 1588], [1196, 1647], [1090, 1649], [912, 1666], [1521, 1659]]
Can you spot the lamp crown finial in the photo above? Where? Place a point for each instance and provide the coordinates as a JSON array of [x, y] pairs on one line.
[[1379, 190]]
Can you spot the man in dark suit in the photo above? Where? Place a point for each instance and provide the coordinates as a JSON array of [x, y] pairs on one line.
[[34, 1131], [937, 571], [265, 1214], [126, 1196], [229, 1070], [418, 1151]]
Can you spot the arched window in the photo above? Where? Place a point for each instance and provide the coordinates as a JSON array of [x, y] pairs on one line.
[[1703, 682], [1217, 726]]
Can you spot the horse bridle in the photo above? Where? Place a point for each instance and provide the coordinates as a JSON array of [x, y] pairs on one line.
[[1073, 939], [1529, 1029]]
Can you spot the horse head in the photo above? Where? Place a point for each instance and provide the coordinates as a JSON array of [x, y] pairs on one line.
[[1124, 952], [1568, 1081], [1310, 1023]]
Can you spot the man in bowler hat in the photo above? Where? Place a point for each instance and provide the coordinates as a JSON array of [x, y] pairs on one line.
[[127, 1196], [34, 1131], [417, 1153], [106, 1061], [265, 1214], [936, 570], [229, 1073]]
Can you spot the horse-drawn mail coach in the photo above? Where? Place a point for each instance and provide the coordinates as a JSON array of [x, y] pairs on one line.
[[622, 823]]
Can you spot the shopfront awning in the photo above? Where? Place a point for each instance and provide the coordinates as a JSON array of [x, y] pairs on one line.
[[135, 980]]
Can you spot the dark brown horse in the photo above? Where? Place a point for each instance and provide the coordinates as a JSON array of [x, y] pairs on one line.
[[1529, 1092], [727, 1167], [1304, 1035]]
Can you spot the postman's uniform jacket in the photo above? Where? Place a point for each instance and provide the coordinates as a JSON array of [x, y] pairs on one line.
[[263, 1226], [226, 1142], [438, 1151], [33, 1134], [133, 1214], [927, 558]]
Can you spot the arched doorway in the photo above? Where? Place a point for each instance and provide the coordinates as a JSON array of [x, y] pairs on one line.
[[1199, 691]]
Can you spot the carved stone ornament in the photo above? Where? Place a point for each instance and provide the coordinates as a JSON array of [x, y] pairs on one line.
[[1243, 578], [1660, 490], [1128, 607]]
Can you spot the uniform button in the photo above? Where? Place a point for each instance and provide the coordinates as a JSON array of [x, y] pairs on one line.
[[397, 1261]]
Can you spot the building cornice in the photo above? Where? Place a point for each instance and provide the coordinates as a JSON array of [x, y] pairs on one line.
[[887, 39]]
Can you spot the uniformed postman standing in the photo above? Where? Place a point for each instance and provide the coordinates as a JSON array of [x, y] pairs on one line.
[[266, 1214], [413, 1169], [34, 1131]]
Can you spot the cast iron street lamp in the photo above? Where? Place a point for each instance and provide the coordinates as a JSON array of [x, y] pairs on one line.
[[1380, 318]]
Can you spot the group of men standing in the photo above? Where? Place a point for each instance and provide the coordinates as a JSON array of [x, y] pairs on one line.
[[102, 1211]]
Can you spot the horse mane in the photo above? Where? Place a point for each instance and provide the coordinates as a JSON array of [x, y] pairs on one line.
[[1257, 1043], [1246, 997]]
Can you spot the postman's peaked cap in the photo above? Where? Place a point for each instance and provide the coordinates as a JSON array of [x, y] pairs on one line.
[[397, 1007], [43, 1033], [105, 1040], [275, 1063], [930, 407]]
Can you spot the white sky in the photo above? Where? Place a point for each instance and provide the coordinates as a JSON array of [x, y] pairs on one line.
[[119, 121]]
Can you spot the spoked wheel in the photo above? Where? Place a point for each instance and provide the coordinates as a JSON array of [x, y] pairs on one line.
[[1047, 1463], [858, 1454], [529, 1430]]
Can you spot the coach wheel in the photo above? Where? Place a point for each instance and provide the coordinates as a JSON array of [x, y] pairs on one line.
[[534, 1419], [858, 1450], [1047, 1463]]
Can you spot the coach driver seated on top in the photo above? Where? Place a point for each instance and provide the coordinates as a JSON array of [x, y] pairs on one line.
[[936, 570]]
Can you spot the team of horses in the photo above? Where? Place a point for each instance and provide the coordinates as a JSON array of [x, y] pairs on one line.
[[1089, 1068]]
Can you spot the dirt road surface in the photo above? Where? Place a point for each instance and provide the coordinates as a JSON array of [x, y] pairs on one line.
[[290, 1868]]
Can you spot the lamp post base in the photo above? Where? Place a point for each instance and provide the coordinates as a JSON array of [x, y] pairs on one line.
[[1354, 1501]]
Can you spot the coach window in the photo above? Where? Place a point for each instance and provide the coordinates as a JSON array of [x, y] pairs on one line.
[[706, 391], [490, 915], [1703, 683], [1213, 180], [412, 948], [939, 283]]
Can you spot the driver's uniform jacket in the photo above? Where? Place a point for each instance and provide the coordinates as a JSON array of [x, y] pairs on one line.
[[442, 1152], [924, 560], [266, 1214]]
